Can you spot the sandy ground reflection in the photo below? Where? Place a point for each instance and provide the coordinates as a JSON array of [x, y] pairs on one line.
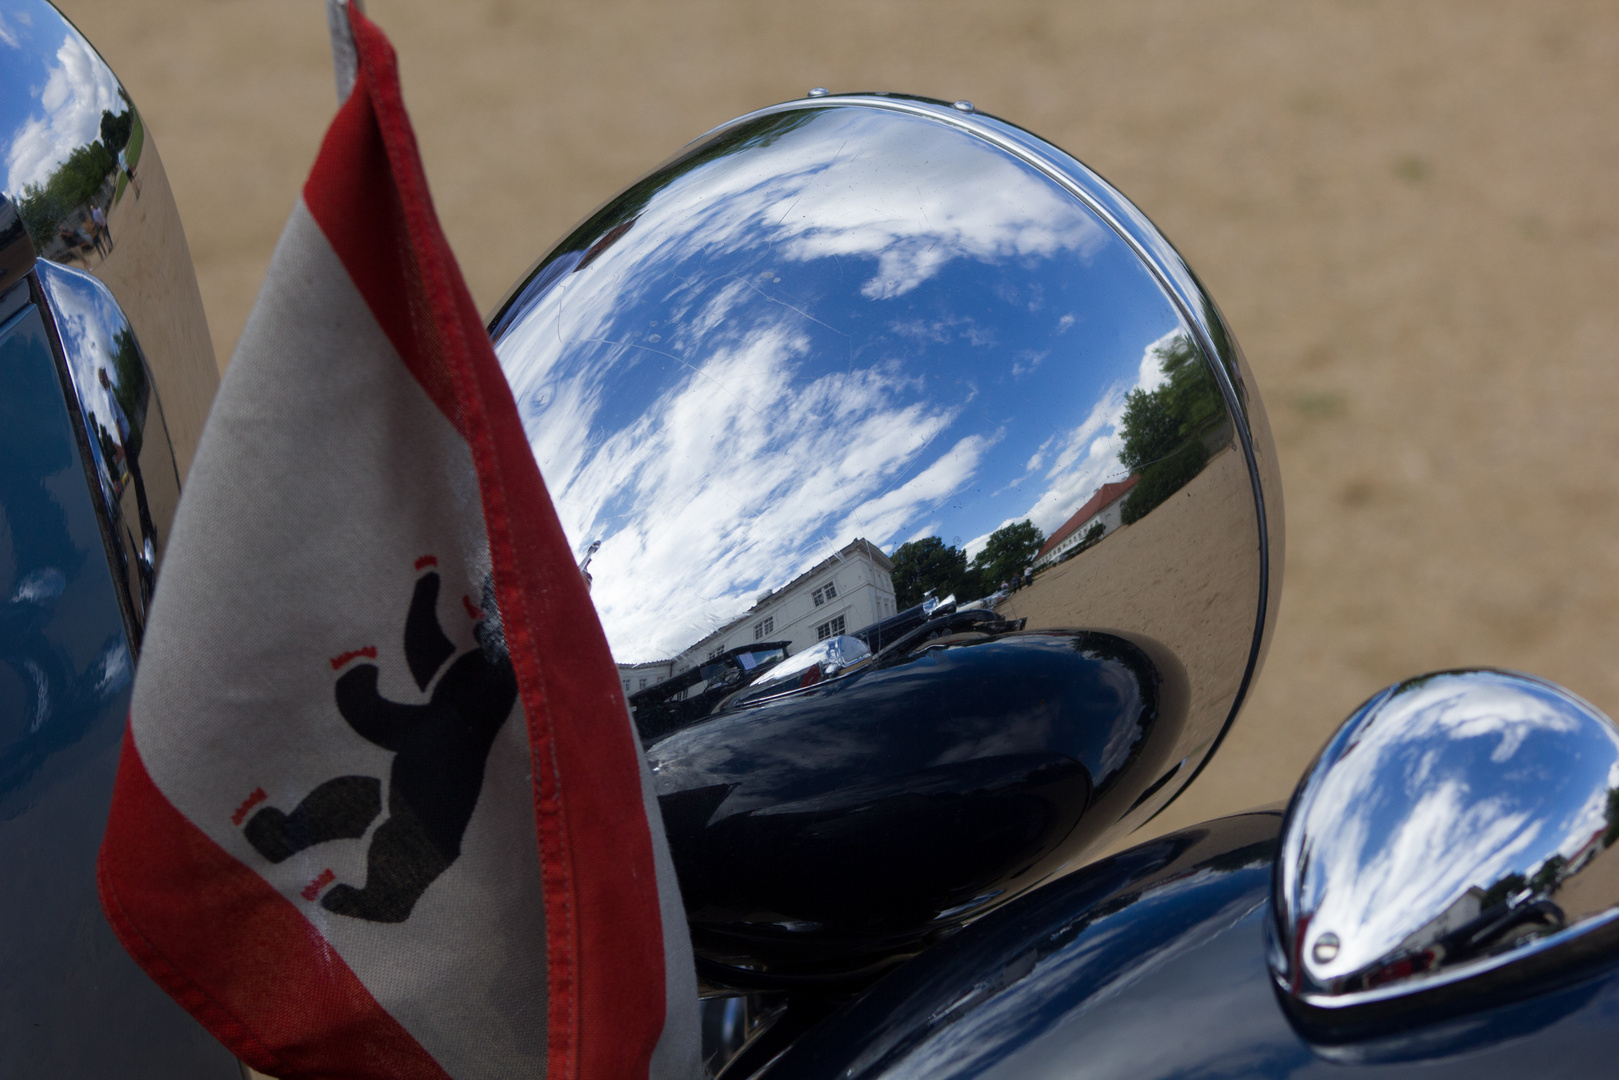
[[1186, 575]]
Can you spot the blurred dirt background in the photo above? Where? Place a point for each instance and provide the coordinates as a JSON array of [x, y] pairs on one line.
[[1407, 211]]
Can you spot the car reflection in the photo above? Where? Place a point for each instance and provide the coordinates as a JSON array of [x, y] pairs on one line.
[[821, 825]]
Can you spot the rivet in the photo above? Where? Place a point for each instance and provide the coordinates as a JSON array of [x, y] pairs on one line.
[[1325, 950], [964, 106], [818, 91]]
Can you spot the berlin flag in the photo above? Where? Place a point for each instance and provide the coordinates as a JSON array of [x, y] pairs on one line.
[[381, 811]]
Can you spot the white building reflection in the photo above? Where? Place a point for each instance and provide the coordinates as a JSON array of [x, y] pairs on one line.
[[1102, 513], [847, 591]]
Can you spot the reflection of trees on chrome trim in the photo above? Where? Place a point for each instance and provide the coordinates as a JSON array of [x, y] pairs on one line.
[[76, 183], [1162, 430], [1009, 549], [930, 563]]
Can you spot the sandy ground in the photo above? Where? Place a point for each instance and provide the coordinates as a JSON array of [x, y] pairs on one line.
[[1407, 211]]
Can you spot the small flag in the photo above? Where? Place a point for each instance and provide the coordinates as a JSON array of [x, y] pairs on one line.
[[381, 811]]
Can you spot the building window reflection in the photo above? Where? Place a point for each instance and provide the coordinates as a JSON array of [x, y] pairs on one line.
[[795, 621], [828, 629]]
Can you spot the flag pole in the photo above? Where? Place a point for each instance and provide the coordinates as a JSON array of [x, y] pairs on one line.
[[345, 59]]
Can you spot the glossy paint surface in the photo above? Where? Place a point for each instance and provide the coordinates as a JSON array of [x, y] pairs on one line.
[[72, 1003], [884, 319], [836, 827], [1457, 830], [1150, 966]]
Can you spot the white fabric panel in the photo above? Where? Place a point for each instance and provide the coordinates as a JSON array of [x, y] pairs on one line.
[[276, 565]]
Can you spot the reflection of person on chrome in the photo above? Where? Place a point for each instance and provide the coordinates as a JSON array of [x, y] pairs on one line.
[[74, 241], [99, 233], [129, 173], [131, 463]]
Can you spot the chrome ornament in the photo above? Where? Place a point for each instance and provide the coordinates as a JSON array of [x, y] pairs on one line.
[[1453, 837], [85, 205], [84, 175], [828, 342]]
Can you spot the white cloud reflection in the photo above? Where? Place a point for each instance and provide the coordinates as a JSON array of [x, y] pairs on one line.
[[88, 319], [77, 91], [1459, 786], [735, 481], [924, 201], [770, 439], [1087, 456]]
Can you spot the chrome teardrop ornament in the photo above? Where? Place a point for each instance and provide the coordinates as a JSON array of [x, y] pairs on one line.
[[1452, 839]]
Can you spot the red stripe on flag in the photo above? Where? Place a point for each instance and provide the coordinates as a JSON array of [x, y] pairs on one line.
[[605, 952], [233, 948], [350, 195]]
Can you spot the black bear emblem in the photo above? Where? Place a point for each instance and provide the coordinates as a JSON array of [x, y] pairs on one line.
[[440, 749]]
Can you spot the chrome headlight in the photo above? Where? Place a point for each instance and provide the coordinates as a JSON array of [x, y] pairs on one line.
[[842, 351]]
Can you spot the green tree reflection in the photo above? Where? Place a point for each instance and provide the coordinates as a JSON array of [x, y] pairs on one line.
[[1009, 550], [927, 564], [932, 565], [129, 385], [69, 191], [1502, 891], [1163, 429]]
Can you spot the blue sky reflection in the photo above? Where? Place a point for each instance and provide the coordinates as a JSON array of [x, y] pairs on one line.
[[832, 335], [65, 81]]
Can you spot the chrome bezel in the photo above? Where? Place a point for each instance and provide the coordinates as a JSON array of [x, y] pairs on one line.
[[1172, 273]]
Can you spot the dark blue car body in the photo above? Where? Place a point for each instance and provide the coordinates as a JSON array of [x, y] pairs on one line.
[[72, 1002], [1150, 965]]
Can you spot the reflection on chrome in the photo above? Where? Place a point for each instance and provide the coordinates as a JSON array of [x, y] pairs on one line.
[[1454, 832], [81, 173], [818, 606], [123, 419], [74, 155], [830, 826], [873, 375], [16, 249]]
